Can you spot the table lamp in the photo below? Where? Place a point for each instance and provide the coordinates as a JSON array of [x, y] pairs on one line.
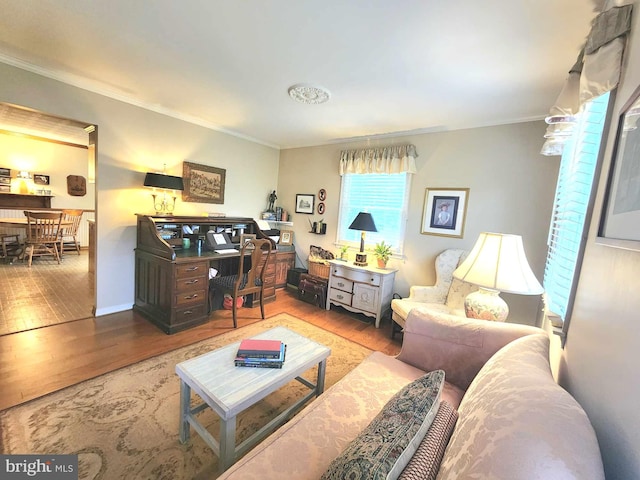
[[363, 222], [165, 183], [497, 263]]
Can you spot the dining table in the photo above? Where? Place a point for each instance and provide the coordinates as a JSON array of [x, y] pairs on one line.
[[22, 222]]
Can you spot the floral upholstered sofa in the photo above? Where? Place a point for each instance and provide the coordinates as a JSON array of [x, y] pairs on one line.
[[498, 414]]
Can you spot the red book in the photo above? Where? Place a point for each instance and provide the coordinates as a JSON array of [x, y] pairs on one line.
[[256, 347]]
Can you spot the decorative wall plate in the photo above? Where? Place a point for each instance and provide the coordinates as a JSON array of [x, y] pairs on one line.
[[322, 195], [320, 208], [76, 185]]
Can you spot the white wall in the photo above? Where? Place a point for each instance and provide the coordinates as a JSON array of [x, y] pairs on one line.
[[132, 141], [600, 361], [47, 158], [511, 191]]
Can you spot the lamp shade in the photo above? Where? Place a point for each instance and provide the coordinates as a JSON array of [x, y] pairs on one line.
[[497, 261], [363, 222], [160, 180]]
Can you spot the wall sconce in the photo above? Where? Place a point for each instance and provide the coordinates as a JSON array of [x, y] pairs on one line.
[[363, 222], [166, 203]]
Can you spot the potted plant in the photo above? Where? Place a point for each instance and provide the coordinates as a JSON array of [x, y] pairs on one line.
[[382, 251], [343, 252]]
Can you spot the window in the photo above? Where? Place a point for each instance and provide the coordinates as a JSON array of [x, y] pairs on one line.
[[571, 211], [385, 197]]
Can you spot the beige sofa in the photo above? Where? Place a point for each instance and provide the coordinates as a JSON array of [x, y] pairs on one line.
[[514, 422]]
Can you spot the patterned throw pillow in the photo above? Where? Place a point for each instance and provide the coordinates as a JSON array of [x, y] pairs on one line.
[[385, 446], [425, 463]]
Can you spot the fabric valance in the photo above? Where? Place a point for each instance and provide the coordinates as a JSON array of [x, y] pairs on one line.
[[392, 159], [596, 72]]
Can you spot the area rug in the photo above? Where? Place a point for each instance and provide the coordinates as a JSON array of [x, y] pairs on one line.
[[124, 424]]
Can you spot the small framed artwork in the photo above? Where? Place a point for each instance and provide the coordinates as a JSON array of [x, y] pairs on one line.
[[5, 180], [444, 212], [321, 208], [5, 188], [305, 203], [5, 172], [286, 237], [202, 183], [39, 179], [245, 237], [620, 219], [322, 195]]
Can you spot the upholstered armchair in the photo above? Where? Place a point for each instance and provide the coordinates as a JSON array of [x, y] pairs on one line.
[[446, 295]]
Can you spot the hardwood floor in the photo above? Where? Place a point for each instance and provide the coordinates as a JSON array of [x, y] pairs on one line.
[[44, 360]]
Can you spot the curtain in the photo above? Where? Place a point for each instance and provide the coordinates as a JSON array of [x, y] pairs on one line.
[[392, 159], [596, 71]]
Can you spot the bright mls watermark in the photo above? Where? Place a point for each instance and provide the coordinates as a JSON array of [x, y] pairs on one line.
[[50, 467]]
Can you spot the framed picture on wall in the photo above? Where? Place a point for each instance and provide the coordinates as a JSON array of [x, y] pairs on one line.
[[444, 212], [202, 183], [620, 219], [304, 203], [40, 179]]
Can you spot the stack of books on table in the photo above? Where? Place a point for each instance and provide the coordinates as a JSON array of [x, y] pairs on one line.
[[260, 353]]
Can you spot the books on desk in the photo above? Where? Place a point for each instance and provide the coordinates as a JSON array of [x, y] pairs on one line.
[[260, 353]]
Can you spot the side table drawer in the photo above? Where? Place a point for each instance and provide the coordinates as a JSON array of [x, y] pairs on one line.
[[340, 296], [342, 284], [356, 275]]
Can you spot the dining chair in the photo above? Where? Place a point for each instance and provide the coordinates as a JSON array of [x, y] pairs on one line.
[[43, 234], [249, 283], [9, 245], [69, 230]]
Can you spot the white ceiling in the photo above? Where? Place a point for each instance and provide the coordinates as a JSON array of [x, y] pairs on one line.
[[402, 66]]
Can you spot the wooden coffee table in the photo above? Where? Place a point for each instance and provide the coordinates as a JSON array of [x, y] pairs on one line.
[[228, 390]]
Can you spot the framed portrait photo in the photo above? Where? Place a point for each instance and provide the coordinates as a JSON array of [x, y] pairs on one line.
[[304, 203], [620, 219], [286, 237], [245, 237], [444, 212], [202, 183]]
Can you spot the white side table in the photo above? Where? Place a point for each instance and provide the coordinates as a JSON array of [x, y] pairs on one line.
[[367, 290]]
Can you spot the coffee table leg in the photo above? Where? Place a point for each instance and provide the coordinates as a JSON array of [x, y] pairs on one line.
[[227, 443], [185, 400], [322, 366]]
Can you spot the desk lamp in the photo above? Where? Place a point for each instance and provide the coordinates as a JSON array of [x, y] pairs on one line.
[[363, 222], [497, 263], [165, 183]]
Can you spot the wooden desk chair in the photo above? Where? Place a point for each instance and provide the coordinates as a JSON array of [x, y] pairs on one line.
[[43, 234], [70, 232], [246, 283], [9, 245]]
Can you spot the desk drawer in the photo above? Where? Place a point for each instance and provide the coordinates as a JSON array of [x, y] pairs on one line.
[[191, 284], [189, 313], [192, 270], [191, 297], [340, 296], [356, 275]]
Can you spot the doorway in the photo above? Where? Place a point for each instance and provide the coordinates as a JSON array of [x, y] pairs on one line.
[[48, 150]]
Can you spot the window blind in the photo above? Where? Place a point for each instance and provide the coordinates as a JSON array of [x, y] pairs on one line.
[[567, 232], [385, 197]]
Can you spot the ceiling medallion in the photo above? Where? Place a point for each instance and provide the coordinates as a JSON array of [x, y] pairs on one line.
[[310, 94]]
